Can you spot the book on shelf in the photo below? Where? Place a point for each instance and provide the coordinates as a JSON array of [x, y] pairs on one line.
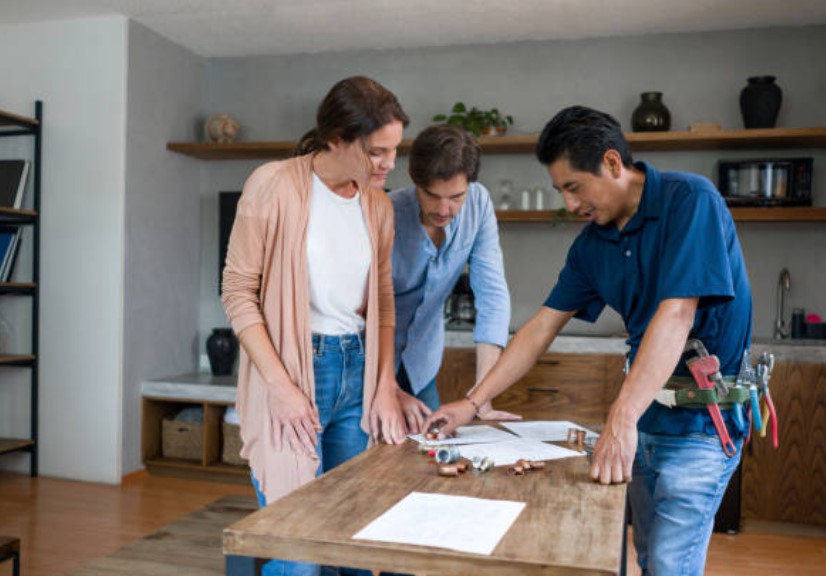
[[13, 177], [9, 245]]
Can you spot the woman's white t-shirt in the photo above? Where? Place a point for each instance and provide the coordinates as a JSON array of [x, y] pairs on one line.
[[338, 261]]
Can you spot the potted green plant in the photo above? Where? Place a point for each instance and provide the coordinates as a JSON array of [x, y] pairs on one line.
[[475, 120], [495, 123]]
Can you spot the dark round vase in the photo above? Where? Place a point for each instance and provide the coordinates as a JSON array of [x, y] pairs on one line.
[[222, 350], [760, 102], [651, 115]]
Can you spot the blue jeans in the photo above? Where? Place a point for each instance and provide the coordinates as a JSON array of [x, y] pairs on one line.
[[677, 485], [338, 366], [429, 394]]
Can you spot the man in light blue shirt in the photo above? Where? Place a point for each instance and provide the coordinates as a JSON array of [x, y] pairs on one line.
[[443, 222]]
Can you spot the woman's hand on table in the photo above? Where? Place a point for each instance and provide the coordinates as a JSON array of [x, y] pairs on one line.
[[415, 411], [386, 419]]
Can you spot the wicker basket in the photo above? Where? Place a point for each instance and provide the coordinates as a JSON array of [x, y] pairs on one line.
[[231, 452], [182, 440]]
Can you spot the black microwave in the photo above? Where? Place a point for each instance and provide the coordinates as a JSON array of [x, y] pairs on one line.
[[766, 182]]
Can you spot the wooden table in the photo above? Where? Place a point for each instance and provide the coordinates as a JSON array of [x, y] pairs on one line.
[[570, 525]]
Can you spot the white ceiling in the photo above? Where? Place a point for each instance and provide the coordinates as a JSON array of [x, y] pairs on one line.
[[217, 28]]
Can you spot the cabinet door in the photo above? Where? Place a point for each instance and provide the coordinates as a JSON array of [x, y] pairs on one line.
[[789, 484], [559, 387], [457, 374]]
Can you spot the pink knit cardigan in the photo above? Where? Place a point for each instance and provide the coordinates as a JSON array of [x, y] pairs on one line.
[[265, 282]]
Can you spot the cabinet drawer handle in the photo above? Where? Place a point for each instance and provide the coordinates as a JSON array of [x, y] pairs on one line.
[[544, 390], [548, 362]]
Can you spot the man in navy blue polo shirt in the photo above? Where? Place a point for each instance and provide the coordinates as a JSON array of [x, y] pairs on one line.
[[660, 249], [444, 222]]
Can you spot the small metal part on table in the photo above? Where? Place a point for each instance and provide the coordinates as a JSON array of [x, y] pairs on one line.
[[482, 464], [447, 455]]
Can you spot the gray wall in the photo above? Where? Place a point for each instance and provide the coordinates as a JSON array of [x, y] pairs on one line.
[[78, 68], [700, 74], [161, 263]]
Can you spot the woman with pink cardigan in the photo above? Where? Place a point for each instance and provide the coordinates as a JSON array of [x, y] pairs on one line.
[[308, 290]]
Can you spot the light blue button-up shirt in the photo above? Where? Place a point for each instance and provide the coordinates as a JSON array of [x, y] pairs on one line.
[[423, 277]]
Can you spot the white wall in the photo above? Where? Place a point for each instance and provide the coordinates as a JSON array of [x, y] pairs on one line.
[[162, 267], [78, 69]]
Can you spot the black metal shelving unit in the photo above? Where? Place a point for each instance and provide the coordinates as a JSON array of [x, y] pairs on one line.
[[10, 219]]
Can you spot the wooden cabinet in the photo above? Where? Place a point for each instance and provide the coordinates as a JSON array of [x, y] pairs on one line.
[[789, 484], [561, 386], [206, 464]]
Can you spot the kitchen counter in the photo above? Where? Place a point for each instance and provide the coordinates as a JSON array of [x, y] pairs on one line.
[[195, 386], [203, 386], [784, 350], [565, 344]]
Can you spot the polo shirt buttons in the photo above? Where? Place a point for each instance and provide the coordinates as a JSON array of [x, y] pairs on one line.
[[627, 253]]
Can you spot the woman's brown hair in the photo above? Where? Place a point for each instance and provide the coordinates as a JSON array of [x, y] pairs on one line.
[[352, 109]]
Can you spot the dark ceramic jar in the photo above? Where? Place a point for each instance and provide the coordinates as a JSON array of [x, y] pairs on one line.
[[760, 102], [222, 350], [651, 115]]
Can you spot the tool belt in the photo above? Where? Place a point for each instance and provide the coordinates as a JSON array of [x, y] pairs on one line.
[[683, 392], [709, 389]]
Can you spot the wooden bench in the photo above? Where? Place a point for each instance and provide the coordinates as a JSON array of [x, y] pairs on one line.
[[10, 548]]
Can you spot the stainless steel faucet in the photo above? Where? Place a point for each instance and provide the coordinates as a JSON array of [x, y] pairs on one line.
[[784, 286]]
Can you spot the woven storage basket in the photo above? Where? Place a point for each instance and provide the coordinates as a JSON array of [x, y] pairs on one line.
[[231, 452], [184, 440]]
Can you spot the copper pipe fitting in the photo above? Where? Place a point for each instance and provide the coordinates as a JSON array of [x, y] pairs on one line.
[[448, 470]]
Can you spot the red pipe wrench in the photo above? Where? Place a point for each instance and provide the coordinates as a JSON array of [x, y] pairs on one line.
[[705, 369]]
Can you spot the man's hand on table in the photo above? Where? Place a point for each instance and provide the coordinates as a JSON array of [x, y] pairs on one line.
[[614, 452], [486, 412], [449, 417]]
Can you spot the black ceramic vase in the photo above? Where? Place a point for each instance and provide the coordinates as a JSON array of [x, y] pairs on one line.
[[651, 115], [222, 350], [760, 102]]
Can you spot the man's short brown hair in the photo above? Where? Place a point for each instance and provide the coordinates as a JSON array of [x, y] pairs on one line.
[[441, 152]]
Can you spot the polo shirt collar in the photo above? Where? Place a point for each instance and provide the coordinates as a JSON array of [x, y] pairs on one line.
[[649, 207]]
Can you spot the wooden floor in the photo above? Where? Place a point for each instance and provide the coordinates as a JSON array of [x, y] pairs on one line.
[[63, 524]]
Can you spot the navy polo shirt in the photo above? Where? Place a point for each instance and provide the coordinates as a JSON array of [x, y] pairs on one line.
[[681, 243]]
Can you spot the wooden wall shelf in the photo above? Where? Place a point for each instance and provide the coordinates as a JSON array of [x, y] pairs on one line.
[[17, 359], [741, 214], [17, 287], [525, 144], [8, 119], [14, 444]]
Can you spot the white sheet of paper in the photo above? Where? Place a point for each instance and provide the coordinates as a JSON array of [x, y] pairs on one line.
[[546, 430], [460, 523], [507, 453], [468, 435]]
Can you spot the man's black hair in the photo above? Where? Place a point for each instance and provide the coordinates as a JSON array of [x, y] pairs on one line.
[[582, 136]]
